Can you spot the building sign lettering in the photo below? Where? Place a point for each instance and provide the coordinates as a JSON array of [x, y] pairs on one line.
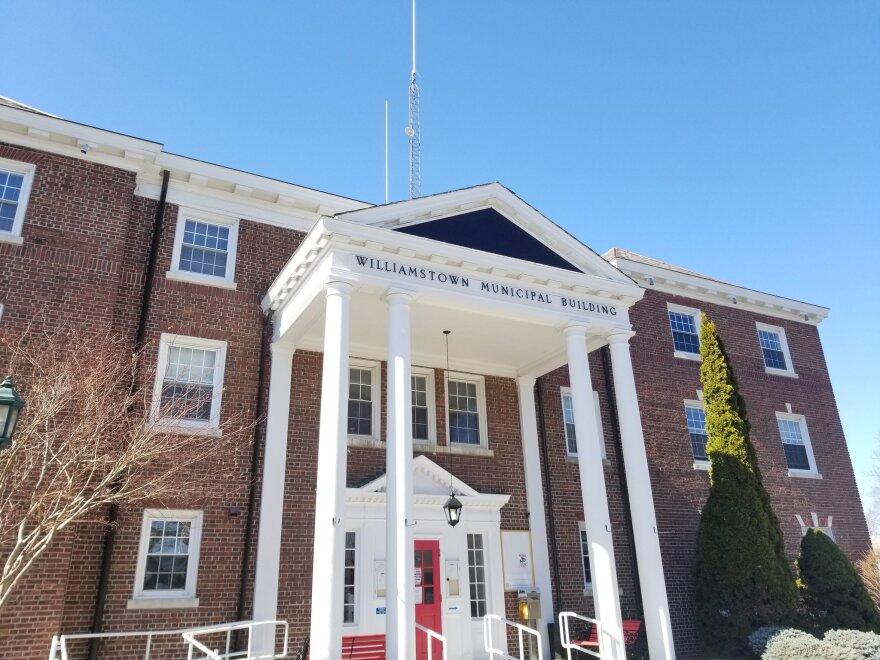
[[405, 272]]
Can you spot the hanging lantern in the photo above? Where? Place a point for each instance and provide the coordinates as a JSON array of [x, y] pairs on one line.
[[452, 508], [10, 407]]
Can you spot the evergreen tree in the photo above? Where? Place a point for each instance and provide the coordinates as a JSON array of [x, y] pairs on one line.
[[743, 577], [832, 593]]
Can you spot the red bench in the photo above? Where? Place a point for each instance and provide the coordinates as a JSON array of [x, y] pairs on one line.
[[630, 632]]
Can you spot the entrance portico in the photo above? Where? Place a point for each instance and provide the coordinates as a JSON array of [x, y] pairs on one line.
[[378, 284]]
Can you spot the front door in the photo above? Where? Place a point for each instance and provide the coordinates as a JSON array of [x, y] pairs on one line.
[[428, 612]]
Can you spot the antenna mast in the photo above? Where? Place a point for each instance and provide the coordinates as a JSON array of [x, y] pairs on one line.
[[414, 130]]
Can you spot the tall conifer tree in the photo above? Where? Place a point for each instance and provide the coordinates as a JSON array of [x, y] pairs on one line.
[[744, 579]]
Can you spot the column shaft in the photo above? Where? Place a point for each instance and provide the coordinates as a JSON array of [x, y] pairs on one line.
[[644, 521], [329, 541], [272, 497], [535, 502], [400, 614], [595, 498]]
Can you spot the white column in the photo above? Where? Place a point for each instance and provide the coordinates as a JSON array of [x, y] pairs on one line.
[[272, 497], [400, 613], [592, 477], [641, 498], [329, 545], [535, 501]]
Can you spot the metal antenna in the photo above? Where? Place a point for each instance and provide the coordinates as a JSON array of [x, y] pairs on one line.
[[414, 130], [449, 440]]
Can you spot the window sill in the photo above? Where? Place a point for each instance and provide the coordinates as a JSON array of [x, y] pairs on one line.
[[363, 441], [183, 429], [470, 450], [701, 465], [162, 603], [804, 474], [193, 278], [694, 357], [11, 238], [780, 372]]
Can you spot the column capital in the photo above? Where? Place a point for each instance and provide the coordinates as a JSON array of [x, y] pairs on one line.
[[338, 288], [398, 295], [620, 336], [281, 349], [577, 329], [526, 381]]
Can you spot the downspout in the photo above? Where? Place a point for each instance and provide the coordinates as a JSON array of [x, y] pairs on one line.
[[621, 472], [259, 433], [551, 517], [113, 514]]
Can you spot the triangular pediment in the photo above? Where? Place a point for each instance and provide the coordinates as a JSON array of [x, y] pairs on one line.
[[492, 219], [428, 478]]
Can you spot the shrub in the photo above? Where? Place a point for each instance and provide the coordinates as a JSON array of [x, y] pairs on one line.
[[759, 639], [867, 644], [743, 576], [832, 593], [868, 568], [797, 645]]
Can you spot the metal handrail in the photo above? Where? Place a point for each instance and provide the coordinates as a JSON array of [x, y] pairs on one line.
[[59, 642], [521, 629], [229, 628], [566, 634], [431, 633]]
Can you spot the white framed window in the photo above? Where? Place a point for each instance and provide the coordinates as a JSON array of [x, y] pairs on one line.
[[168, 557], [189, 382], [16, 180], [585, 558], [349, 580], [477, 575], [684, 323], [364, 399], [774, 350], [205, 247], [466, 410], [424, 424], [796, 445], [568, 419], [695, 415]]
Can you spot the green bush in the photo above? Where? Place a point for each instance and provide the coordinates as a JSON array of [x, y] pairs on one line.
[[797, 645], [759, 639], [832, 593], [865, 643], [743, 576]]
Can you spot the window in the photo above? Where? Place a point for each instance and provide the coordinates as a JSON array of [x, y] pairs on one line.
[[585, 559], [466, 403], [796, 444], [363, 399], [423, 426], [348, 587], [189, 381], [696, 423], [204, 249], [568, 419], [774, 348], [15, 188], [168, 556], [685, 325], [477, 575]]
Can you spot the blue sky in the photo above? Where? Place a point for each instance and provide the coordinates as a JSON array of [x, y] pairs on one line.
[[740, 139]]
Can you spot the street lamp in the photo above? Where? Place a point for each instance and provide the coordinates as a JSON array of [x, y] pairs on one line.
[[10, 406], [453, 510]]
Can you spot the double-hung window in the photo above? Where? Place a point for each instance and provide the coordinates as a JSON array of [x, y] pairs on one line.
[[585, 559], [168, 558], [423, 425], [204, 249], [796, 444], [349, 581], [363, 399], [684, 322], [696, 424], [477, 575], [189, 381], [466, 405], [568, 420], [774, 349], [15, 187]]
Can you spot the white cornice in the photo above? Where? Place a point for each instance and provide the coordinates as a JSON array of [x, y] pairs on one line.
[[720, 293]]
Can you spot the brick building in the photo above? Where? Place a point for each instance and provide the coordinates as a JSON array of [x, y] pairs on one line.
[[567, 419]]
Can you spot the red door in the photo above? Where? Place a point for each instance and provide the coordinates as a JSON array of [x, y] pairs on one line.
[[428, 612]]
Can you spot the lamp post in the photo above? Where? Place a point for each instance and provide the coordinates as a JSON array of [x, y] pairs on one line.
[[10, 406]]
